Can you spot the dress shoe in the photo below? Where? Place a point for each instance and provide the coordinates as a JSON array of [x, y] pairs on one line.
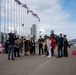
[[12, 59]]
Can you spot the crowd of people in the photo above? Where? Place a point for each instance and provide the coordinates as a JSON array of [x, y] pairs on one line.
[[48, 45], [16, 45]]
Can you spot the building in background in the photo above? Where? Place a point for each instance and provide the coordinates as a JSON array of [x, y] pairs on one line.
[[2, 37], [34, 31]]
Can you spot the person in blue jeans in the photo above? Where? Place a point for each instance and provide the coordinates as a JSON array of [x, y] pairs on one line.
[[11, 46], [11, 51]]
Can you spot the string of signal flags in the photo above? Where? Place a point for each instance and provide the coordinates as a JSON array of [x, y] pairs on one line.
[[28, 10]]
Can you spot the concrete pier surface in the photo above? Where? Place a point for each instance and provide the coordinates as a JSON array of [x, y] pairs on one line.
[[38, 65]]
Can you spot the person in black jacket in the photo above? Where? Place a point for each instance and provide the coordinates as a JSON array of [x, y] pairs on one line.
[[40, 45], [11, 46], [32, 42], [26, 46], [60, 45]]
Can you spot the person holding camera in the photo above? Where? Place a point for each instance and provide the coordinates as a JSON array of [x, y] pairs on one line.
[[11, 46]]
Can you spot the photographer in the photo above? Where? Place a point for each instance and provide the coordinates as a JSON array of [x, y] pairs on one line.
[[11, 46]]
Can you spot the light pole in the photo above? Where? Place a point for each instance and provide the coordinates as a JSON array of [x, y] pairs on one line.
[[22, 29], [40, 33], [4, 21], [11, 15]]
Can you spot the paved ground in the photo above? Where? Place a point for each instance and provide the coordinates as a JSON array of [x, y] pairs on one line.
[[37, 65]]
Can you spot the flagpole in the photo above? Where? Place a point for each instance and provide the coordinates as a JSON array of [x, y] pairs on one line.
[[7, 12], [0, 21], [4, 19], [14, 16], [19, 19], [22, 21], [8, 17], [11, 15], [26, 22], [7, 26]]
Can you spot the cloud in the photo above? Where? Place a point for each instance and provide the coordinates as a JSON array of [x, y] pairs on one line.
[[53, 16], [51, 13]]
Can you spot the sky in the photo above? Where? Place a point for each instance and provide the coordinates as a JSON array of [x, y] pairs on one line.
[[57, 15]]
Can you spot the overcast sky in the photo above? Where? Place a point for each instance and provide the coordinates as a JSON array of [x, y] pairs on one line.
[[59, 15]]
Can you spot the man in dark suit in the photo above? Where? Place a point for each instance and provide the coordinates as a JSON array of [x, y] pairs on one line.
[[40, 45], [60, 45]]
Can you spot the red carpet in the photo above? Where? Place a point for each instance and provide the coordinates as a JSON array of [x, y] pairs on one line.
[[74, 52]]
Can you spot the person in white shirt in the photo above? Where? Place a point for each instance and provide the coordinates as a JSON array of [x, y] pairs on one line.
[[44, 48], [48, 41]]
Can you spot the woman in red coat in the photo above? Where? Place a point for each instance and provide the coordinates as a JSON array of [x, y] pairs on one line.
[[52, 45]]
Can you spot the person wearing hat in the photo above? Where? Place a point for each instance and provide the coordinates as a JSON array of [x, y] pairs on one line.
[[65, 54], [11, 46], [40, 41], [32, 42]]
